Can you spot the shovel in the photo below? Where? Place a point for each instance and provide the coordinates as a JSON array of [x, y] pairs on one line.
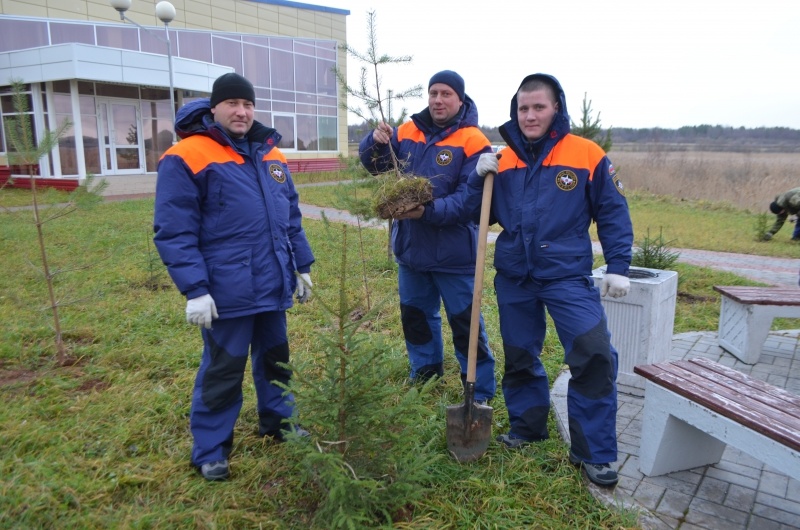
[[469, 425]]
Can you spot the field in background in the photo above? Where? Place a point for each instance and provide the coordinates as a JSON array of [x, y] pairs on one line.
[[745, 180]]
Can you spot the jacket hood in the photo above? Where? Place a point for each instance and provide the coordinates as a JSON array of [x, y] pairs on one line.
[[195, 118], [560, 127], [467, 117]]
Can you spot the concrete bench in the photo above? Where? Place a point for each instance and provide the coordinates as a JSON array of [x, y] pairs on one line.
[[694, 408], [746, 315]]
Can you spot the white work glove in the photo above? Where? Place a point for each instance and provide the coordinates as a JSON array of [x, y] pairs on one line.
[[200, 311], [615, 285], [487, 163], [304, 287]]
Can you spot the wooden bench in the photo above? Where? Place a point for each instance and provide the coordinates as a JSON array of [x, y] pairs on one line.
[[694, 408], [746, 315]]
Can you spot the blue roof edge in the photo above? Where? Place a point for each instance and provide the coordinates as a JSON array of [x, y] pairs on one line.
[[301, 5]]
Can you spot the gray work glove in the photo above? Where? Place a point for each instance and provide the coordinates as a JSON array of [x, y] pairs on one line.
[[487, 163], [615, 285], [304, 287], [201, 310]]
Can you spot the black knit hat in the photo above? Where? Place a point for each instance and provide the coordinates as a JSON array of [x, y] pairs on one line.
[[775, 208], [232, 86], [451, 79]]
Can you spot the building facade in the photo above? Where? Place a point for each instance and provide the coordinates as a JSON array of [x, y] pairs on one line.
[[110, 78]]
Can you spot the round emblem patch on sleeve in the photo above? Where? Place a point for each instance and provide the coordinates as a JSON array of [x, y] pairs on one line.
[[566, 180], [444, 157], [615, 179], [276, 171], [618, 185]]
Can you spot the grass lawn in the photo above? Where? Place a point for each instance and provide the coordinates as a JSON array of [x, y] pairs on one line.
[[104, 443]]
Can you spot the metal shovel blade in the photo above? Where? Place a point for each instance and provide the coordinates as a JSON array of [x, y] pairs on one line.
[[469, 428]]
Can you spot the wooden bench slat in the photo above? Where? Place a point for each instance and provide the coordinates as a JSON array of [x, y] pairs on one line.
[[773, 410], [782, 296], [774, 423], [791, 401], [786, 401], [730, 409]]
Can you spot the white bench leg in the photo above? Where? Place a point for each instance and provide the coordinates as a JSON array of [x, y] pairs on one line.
[[669, 444], [743, 329]]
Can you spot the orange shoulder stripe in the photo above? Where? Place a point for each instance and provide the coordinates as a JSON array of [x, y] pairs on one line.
[[577, 152], [200, 151], [409, 131], [274, 154], [509, 160]]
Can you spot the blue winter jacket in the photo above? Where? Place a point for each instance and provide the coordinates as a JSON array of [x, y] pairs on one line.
[[546, 196], [227, 221], [445, 238]]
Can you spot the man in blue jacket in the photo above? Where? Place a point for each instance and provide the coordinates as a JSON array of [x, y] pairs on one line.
[[550, 186], [435, 244], [228, 227]]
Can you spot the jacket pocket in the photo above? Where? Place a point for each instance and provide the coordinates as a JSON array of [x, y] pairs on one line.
[[232, 283]]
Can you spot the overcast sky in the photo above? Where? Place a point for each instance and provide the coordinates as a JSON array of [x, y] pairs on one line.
[[641, 63]]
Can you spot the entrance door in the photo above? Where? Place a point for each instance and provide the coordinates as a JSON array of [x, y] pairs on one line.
[[120, 141]]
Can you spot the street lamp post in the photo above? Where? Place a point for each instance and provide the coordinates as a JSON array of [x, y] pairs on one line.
[[165, 12]]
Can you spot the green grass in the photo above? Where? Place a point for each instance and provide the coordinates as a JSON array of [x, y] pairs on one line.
[[105, 443]]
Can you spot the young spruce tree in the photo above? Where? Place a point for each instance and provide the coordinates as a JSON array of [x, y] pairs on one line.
[[25, 152], [371, 456]]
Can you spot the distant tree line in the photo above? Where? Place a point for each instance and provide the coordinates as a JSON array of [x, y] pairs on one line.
[[693, 137]]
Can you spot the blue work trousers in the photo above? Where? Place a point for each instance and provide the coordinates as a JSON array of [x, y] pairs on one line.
[[217, 395], [574, 305], [421, 297]]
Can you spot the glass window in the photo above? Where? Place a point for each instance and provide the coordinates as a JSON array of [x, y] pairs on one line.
[[263, 117], [281, 43], [118, 37], [282, 70], [118, 91], [256, 64], [157, 94], [62, 104], [7, 103], [263, 93], [86, 87], [87, 105], [328, 134], [67, 150], [194, 45], [307, 133], [285, 126], [61, 87], [22, 34], [91, 147], [278, 106], [155, 40], [326, 49], [305, 47], [326, 78], [65, 32], [11, 121], [283, 95], [305, 68], [227, 52]]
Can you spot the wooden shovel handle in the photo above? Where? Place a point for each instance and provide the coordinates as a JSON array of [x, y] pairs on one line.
[[477, 289]]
